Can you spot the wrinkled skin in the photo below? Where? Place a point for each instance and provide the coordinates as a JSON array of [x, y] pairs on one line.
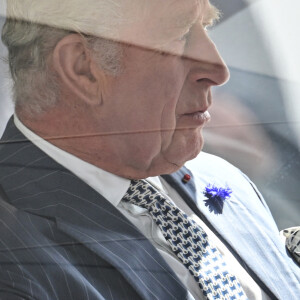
[[149, 118]]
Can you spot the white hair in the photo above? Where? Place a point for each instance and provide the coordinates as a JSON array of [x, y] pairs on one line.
[[100, 18], [34, 27]]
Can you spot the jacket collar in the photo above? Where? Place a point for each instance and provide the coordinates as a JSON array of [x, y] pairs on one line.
[[269, 254]]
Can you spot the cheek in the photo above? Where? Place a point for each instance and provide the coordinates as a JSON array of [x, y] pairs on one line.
[[168, 116], [159, 99], [168, 122], [158, 121]]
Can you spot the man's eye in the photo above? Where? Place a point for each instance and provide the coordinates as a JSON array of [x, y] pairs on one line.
[[207, 26], [184, 37]]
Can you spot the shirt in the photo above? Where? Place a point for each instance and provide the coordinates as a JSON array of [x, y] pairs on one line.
[[105, 184]]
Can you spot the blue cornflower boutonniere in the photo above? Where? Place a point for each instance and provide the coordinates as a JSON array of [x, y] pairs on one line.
[[216, 197]]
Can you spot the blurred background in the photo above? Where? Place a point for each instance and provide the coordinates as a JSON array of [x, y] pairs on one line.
[[256, 118]]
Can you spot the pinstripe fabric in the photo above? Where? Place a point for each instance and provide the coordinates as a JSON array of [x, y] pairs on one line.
[[61, 240]]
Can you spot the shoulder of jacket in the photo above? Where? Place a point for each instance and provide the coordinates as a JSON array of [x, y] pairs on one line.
[[209, 163]]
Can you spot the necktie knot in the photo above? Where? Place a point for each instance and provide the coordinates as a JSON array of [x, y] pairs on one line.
[[141, 193]]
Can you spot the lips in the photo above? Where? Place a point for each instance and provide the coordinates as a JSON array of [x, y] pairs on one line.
[[201, 116], [197, 118]]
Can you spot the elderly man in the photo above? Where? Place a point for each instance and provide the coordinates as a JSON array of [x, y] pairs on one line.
[[108, 96]]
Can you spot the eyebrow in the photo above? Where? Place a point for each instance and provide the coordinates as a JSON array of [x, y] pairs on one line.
[[188, 19], [184, 18], [212, 15]]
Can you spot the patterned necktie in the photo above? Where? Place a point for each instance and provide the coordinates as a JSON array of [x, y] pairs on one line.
[[188, 241]]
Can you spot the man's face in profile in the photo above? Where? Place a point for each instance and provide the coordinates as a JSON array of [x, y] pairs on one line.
[[147, 119], [159, 102]]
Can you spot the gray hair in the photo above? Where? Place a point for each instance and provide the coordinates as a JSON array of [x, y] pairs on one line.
[[29, 46]]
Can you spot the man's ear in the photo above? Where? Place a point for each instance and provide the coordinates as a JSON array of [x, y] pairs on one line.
[[77, 70]]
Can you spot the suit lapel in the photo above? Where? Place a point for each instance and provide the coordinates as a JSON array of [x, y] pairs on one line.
[[38, 185], [262, 237], [108, 234]]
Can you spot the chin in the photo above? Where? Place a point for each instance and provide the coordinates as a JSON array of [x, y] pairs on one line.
[[191, 156], [187, 149], [179, 162], [193, 147]]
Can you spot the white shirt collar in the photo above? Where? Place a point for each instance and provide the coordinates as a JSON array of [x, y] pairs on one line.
[[110, 186]]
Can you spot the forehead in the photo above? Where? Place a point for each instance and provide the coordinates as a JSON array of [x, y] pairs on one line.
[[188, 10], [129, 21], [183, 10], [154, 22]]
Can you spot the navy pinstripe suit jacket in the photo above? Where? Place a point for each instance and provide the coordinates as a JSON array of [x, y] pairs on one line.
[[59, 239]]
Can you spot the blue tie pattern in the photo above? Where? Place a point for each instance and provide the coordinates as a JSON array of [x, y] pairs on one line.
[[188, 241]]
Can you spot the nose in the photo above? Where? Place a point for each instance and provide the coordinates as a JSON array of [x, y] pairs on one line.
[[205, 60]]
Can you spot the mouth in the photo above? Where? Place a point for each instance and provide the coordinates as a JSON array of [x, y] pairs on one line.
[[201, 116], [198, 118]]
